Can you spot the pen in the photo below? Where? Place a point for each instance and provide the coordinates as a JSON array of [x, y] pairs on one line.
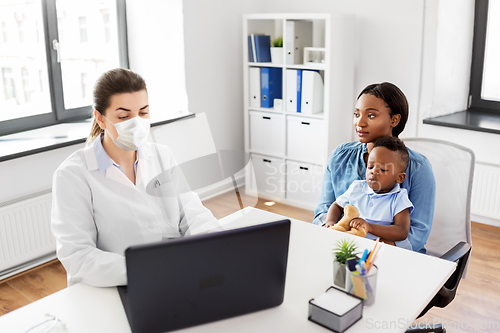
[[363, 267], [373, 258], [373, 251], [365, 254]]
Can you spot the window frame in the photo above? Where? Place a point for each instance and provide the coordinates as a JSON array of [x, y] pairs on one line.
[[477, 64], [59, 114]]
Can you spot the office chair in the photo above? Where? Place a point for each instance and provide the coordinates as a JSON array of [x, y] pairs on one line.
[[450, 236]]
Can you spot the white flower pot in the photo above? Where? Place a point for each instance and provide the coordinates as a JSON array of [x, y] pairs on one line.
[[277, 55]]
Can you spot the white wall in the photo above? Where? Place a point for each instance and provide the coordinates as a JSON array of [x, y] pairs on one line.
[[156, 52], [422, 46], [446, 75], [214, 73], [447, 56], [389, 49], [30, 174]]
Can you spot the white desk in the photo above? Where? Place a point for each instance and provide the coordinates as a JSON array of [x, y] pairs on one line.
[[407, 281]]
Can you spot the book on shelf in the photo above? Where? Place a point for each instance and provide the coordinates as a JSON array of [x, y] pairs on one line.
[[293, 90], [298, 35], [271, 85], [262, 48], [251, 48]]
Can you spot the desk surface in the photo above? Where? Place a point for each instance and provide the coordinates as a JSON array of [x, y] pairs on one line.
[[404, 286]]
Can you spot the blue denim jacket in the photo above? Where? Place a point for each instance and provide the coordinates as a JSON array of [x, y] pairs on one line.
[[346, 164]]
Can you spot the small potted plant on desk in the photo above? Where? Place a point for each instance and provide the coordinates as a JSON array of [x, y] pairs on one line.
[[345, 250], [277, 51]]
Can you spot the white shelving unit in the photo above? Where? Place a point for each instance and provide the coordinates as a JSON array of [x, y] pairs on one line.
[[289, 150]]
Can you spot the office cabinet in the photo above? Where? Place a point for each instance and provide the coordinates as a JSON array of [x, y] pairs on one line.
[[267, 133], [305, 139], [303, 182], [315, 114], [269, 175]]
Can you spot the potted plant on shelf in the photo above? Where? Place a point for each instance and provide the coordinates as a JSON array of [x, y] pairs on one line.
[[345, 250], [277, 51]]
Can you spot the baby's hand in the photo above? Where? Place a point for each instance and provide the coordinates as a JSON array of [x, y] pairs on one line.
[[328, 224], [359, 223]]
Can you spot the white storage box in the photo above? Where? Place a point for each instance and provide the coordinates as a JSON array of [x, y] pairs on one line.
[[254, 85], [305, 139], [303, 183], [269, 175], [312, 93], [267, 133]]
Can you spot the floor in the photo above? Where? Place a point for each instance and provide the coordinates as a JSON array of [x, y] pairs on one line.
[[476, 307]]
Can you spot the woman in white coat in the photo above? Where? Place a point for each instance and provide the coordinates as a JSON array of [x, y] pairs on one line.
[[100, 204]]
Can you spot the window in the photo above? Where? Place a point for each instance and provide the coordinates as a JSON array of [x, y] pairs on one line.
[[485, 72], [26, 85], [20, 27], [8, 85], [107, 29], [82, 20], [5, 34], [85, 85], [57, 49]]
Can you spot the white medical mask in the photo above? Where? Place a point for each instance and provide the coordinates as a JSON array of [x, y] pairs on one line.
[[132, 133]]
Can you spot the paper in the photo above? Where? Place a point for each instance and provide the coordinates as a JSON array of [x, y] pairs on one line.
[[336, 301]]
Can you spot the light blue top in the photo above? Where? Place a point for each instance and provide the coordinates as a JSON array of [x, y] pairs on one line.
[[346, 164], [377, 208], [103, 159]]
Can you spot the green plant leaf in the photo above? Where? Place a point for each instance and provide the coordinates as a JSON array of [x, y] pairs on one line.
[[278, 42], [345, 249]]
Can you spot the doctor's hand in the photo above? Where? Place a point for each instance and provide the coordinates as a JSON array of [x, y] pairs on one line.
[[359, 223]]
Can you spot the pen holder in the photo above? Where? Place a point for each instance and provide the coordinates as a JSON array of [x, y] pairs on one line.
[[363, 286]]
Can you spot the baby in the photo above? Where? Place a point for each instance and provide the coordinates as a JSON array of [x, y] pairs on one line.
[[384, 207]]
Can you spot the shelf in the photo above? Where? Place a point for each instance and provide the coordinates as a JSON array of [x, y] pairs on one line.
[[267, 154], [287, 16], [270, 110], [288, 158], [298, 114], [286, 138], [311, 66], [264, 64], [320, 67], [299, 160]]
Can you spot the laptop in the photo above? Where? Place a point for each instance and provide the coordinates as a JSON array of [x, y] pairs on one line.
[[199, 279]]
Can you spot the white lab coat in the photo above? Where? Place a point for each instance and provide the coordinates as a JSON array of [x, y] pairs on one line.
[[97, 215]]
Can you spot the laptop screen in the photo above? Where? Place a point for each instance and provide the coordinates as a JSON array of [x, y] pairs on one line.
[[200, 279]]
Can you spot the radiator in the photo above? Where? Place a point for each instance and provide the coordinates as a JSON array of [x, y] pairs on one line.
[[485, 199], [25, 236]]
